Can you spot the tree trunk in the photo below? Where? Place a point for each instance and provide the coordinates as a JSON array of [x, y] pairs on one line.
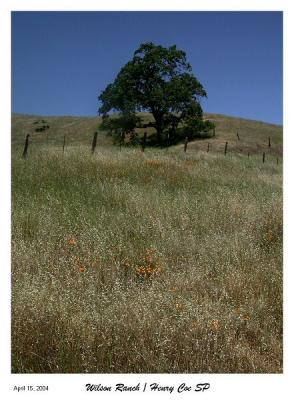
[[159, 137], [159, 127]]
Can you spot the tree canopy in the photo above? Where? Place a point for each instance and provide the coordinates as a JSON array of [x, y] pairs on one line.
[[157, 80]]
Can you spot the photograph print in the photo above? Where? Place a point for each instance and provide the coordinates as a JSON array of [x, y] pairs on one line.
[[147, 198]]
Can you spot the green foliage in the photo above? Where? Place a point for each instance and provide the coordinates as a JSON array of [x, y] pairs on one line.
[[41, 125], [121, 127], [157, 80], [197, 128]]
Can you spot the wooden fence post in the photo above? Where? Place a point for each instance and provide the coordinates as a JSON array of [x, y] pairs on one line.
[[26, 146], [226, 148], [269, 142], [263, 157], [94, 142], [186, 144], [63, 146], [168, 140], [207, 147], [248, 155], [144, 142], [121, 141], [238, 136]]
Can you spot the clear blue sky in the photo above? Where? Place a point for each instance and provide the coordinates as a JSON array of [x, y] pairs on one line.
[[61, 61]]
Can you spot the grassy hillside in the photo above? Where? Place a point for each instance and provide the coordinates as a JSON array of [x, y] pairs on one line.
[[79, 130], [159, 262]]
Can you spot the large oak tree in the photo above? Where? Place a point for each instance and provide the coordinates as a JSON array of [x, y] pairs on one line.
[[158, 80]]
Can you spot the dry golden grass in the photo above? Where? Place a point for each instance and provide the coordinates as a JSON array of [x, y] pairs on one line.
[[253, 135], [155, 262]]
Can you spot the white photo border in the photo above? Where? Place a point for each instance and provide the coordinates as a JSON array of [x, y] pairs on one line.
[[227, 386]]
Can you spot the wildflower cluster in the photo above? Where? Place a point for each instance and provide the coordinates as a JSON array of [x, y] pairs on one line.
[[80, 265], [215, 325], [151, 265], [269, 236], [190, 162], [242, 316], [153, 163], [72, 242]]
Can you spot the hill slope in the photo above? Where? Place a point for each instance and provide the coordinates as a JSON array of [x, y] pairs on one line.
[[154, 262], [79, 130]]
